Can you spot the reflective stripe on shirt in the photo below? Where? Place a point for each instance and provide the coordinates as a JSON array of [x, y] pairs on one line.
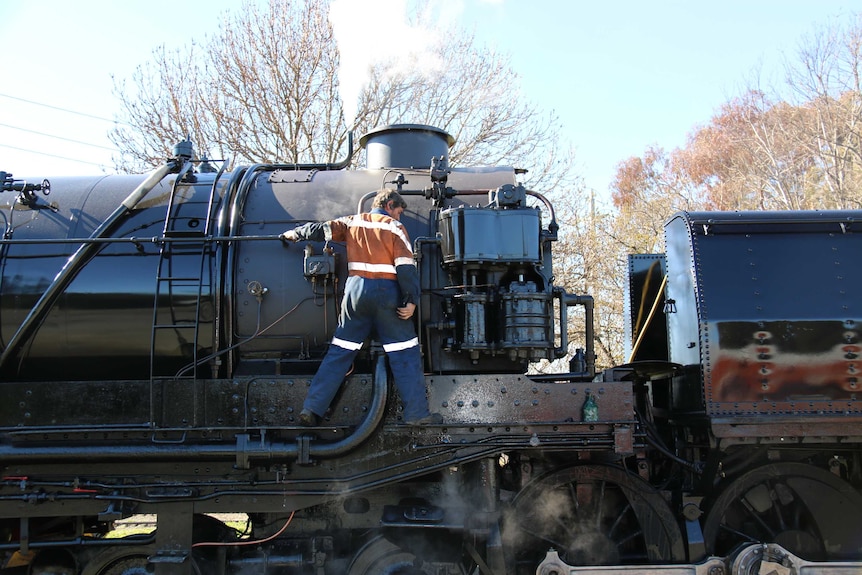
[[373, 268], [404, 261], [392, 226]]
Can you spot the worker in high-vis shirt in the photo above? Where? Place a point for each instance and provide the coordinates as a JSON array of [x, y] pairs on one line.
[[380, 294]]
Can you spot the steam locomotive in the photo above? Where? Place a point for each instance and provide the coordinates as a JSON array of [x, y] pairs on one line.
[[158, 341]]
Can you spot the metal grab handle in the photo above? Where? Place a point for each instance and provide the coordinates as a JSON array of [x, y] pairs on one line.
[[566, 300]]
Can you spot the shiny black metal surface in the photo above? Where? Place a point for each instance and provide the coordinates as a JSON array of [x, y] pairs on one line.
[[158, 341]]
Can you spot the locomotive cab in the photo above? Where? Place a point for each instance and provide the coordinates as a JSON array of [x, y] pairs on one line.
[[758, 338]]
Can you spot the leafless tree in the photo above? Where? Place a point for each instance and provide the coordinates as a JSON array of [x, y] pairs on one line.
[[265, 88], [262, 89], [826, 80]]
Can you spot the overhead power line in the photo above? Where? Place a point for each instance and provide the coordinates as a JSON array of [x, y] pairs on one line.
[[51, 155], [59, 138], [66, 110]]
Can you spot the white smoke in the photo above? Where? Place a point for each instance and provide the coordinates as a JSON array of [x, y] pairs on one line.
[[377, 33]]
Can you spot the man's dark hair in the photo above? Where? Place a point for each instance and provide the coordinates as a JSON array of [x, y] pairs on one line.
[[384, 196]]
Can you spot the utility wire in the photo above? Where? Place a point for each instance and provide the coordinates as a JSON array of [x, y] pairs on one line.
[[59, 137], [62, 109], [51, 155], [67, 111]]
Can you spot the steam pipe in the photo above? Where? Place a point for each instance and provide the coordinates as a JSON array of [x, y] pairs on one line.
[[363, 199], [553, 226], [590, 351], [564, 324], [326, 166], [84, 254], [380, 394], [141, 240], [589, 329], [245, 450]]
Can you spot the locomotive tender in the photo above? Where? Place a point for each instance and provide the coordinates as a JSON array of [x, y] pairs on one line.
[[158, 340]]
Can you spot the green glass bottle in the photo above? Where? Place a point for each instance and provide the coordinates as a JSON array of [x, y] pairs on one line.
[[591, 409]]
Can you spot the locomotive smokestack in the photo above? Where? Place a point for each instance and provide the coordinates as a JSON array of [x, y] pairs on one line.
[[405, 146]]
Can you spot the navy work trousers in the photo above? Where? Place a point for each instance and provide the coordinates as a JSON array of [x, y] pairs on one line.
[[371, 304]]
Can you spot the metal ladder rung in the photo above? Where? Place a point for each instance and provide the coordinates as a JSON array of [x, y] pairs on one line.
[[178, 279], [169, 288], [184, 233]]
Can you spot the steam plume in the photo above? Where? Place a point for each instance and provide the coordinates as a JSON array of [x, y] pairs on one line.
[[376, 33]]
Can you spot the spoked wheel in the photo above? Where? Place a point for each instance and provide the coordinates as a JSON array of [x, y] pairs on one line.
[[121, 561], [592, 515], [134, 559], [382, 557], [807, 510], [126, 561]]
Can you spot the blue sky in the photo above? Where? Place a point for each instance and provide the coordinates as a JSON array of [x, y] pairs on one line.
[[621, 75]]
